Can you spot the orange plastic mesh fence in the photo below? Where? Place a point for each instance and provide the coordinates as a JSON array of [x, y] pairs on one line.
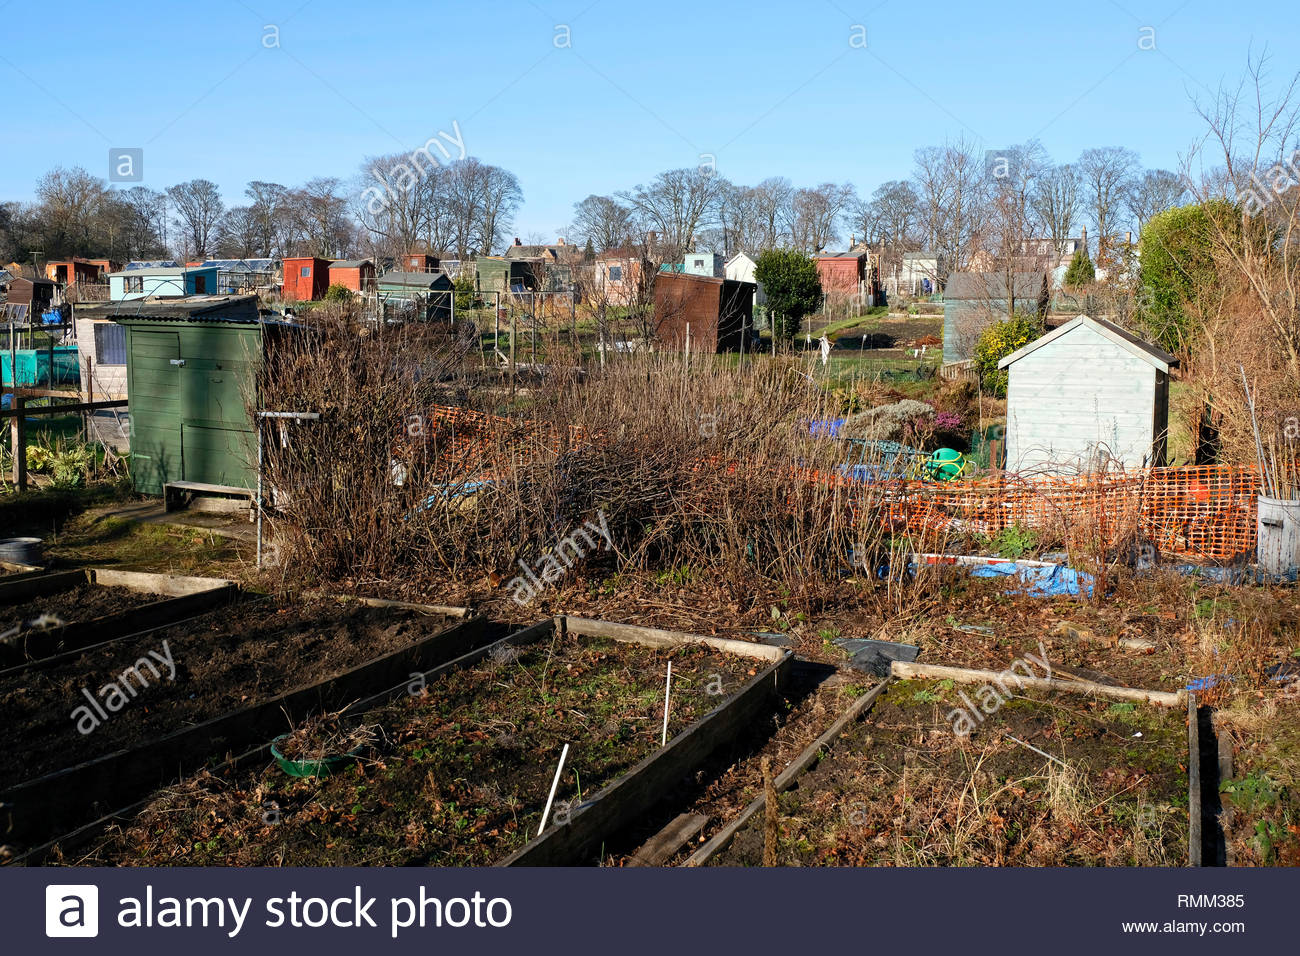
[[1205, 512]]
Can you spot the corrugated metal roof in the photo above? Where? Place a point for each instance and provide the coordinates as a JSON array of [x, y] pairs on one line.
[[164, 270], [150, 264], [237, 308]]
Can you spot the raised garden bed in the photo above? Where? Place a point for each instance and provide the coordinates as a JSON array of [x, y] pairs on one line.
[[105, 726], [900, 788], [48, 614], [464, 766]]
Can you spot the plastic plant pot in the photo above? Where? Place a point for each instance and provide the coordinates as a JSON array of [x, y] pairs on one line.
[[310, 768]]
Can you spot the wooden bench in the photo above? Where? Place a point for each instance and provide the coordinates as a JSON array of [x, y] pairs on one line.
[[177, 494]]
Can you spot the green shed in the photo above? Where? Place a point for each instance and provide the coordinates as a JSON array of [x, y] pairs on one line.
[[191, 368]]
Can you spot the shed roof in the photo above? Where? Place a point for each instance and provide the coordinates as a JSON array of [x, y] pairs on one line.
[[165, 270], [241, 265], [1126, 340], [226, 308], [137, 265], [415, 280], [994, 285], [350, 263]]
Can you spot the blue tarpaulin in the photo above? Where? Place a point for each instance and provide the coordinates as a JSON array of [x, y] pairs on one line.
[[1051, 581]]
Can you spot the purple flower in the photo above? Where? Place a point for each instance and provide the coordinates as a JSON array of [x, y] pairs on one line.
[[947, 421]]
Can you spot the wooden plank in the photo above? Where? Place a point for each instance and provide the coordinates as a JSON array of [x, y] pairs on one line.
[[26, 588], [173, 585], [1162, 698], [45, 647], [655, 637], [1194, 830], [446, 610], [660, 848], [640, 788], [41, 808], [790, 774], [20, 412]]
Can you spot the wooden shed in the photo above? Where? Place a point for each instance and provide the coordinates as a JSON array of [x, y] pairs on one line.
[[305, 278], [355, 274], [191, 367], [1085, 393], [717, 314], [420, 296], [36, 294]]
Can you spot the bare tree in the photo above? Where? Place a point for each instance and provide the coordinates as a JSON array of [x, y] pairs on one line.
[[952, 184], [1056, 202], [677, 204], [1243, 161], [198, 208], [603, 221], [816, 214], [771, 199], [1155, 192], [1107, 176]]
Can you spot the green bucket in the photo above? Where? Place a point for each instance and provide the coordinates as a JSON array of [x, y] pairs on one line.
[[310, 768]]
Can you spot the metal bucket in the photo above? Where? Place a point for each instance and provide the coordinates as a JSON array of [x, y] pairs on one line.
[[1278, 548], [21, 551]]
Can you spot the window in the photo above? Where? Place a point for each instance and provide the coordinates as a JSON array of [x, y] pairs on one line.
[[306, 271], [615, 273], [135, 283], [110, 343]]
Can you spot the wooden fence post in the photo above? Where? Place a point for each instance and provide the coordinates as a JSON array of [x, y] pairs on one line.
[[18, 434]]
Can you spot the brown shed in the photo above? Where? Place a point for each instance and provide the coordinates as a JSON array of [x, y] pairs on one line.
[[36, 294], [718, 313]]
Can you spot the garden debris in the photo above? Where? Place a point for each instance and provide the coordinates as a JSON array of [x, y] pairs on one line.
[[1080, 633], [980, 629], [1051, 581], [874, 657]]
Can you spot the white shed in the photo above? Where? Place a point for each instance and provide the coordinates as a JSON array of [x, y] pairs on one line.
[[1086, 391]]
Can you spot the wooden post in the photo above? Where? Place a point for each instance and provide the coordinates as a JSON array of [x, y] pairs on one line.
[[18, 434]]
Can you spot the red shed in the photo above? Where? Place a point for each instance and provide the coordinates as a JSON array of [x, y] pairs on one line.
[[305, 278], [355, 274], [842, 273]]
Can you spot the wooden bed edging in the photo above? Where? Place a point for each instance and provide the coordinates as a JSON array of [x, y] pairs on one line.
[[641, 787], [811, 754], [964, 675], [1195, 833], [60, 801], [42, 648]]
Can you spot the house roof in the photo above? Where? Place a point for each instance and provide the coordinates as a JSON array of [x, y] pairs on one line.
[[742, 255], [1126, 340], [993, 285]]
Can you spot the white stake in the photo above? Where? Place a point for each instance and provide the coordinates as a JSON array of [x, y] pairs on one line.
[[668, 689], [554, 784]]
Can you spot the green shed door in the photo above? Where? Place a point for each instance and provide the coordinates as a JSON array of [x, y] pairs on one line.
[[155, 408], [218, 440]]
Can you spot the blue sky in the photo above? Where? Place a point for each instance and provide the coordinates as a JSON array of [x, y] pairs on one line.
[[768, 88]]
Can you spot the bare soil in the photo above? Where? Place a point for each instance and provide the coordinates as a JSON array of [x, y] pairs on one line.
[[82, 603], [901, 789], [463, 771], [230, 658]]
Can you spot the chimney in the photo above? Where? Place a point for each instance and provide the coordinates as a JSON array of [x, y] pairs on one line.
[[517, 242], [560, 241]]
